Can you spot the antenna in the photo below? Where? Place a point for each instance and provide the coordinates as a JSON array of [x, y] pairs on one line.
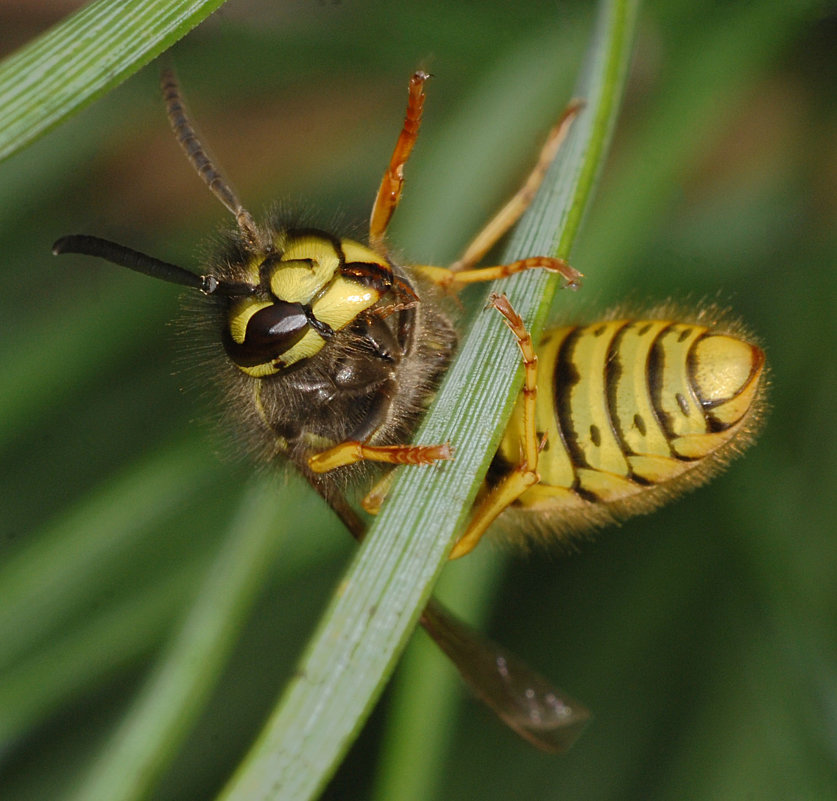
[[184, 130], [147, 265]]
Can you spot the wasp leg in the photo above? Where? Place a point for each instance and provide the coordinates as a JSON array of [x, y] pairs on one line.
[[392, 184], [525, 475], [512, 211], [374, 499], [463, 272], [446, 278], [353, 451]]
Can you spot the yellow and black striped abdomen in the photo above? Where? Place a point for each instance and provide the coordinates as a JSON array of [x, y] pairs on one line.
[[633, 412]]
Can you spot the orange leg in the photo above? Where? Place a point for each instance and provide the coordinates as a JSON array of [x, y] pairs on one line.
[[446, 278], [352, 452], [512, 211], [392, 184], [464, 272], [525, 475], [374, 499]]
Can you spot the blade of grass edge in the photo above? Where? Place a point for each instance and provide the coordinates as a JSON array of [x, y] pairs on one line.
[[427, 700], [385, 588], [82, 57]]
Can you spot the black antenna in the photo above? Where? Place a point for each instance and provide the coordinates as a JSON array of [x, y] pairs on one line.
[[184, 130], [147, 265]]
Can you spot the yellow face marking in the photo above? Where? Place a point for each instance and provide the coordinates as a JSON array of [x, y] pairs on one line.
[[239, 315], [280, 444], [310, 344], [355, 251], [260, 370], [343, 302], [307, 265], [308, 272]]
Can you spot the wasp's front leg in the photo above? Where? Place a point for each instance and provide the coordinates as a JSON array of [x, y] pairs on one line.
[[392, 184], [353, 451]]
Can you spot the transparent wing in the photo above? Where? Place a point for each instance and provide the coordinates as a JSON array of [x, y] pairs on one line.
[[523, 699]]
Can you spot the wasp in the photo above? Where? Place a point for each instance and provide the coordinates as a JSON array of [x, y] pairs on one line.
[[330, 352]]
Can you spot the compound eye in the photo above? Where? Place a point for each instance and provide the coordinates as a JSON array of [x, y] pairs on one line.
[[277, 327], [270, 332]]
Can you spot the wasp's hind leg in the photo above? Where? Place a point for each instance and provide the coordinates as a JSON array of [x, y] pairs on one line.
[[501, 222], [525, 475], [463, 271], [448, 279]]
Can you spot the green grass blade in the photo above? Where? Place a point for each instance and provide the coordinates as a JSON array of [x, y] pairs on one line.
[[147, 738], [79, 659], [83, 57], [55, 575], [385, 588], [427, 692], [708, 82]]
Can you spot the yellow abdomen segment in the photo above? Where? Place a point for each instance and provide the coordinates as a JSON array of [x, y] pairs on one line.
[[633, 411]]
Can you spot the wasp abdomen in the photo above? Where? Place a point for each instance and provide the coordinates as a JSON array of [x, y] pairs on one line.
[[631, 412]]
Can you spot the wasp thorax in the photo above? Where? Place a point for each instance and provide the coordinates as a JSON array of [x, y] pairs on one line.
[[309, 287]]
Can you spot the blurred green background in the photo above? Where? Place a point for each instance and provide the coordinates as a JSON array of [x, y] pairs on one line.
[[703, 638]]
